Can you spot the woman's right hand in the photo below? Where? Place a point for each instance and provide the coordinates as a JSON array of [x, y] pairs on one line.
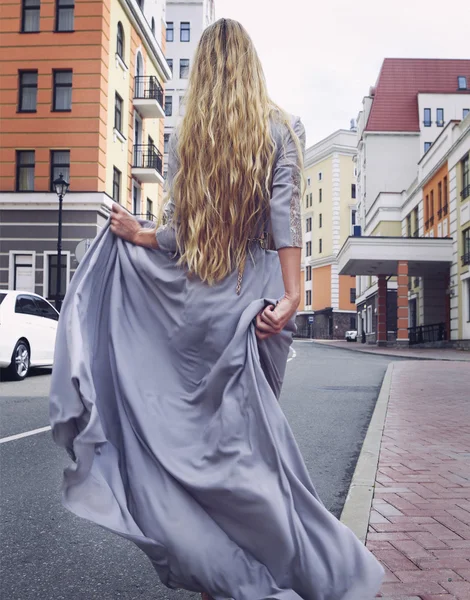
[[272, 320]]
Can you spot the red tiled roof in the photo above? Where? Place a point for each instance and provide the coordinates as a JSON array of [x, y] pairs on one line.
[[395, 104]]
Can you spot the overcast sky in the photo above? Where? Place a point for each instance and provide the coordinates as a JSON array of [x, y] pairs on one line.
[[321, 57]]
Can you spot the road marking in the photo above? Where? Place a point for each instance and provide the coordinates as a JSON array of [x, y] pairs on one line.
[[18, 436], [294, 354]]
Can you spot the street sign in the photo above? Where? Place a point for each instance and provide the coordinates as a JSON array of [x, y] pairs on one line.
[[310, 319], [81, 249]]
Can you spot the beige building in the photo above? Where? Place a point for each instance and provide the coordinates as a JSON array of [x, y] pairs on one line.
[[328, 216]]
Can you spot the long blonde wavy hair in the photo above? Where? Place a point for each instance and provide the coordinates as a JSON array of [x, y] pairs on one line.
[[226, 152]]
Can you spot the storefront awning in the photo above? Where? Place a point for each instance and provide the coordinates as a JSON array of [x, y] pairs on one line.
[[381, 255]]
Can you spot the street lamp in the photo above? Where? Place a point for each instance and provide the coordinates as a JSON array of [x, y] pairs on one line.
[[60, 187]]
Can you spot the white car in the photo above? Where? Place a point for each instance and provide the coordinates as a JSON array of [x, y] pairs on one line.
[[28, 326], [351, 336]]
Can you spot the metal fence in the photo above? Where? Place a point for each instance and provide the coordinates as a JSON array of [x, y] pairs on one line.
[[424, 334]]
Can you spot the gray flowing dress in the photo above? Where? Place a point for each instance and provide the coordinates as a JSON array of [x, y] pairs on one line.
[[168, 406]]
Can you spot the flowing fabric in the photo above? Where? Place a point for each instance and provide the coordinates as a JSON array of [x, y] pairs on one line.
[[168, 406]]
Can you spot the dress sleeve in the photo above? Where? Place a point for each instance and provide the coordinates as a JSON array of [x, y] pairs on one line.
[[286, 225], [166, 233]]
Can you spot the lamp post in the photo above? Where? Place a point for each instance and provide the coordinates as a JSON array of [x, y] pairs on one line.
[[60, 186]]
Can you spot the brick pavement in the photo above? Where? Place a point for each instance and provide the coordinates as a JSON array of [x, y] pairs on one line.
[[419, 524]]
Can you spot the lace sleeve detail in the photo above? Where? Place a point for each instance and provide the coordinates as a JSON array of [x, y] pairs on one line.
[[286, 222]]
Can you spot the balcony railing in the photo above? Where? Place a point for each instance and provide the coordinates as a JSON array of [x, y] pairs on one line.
[[466, 259], [148, 216], [424, 334], [439, 213], [465, 193], [147, 165], [149, 97], [445, 208]]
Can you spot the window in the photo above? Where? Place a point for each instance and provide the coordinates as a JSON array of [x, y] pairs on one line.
[[308, 249], [440, 117], [25, 305], [306, 201], [185, 32], [416, 221], [52, 275], [466, 247], [64, 15], [308, 297], [118, 113], [427, 117], [152, 27], [25, 171], [170, 64], [320, 195], [136, 199], [62, 91], [308, 181], [445, 194], [352, 322], [60, 163], [426, 210], [320, 176], [184, 68], [28, 92], [30, 16], [24, 276], [431, 208], [353, 217], [149, 209], [352, 295], [308, 225], [320, 246], [462, 82], [116, 185], [311, 199], [44, 309], [439, 198], [168, 106], [465, 165], [308, 273], [170, 32], [320, 220], [120, 41], [353, 190], [166, 142], [427, 145], [408, 225], [465, 112]]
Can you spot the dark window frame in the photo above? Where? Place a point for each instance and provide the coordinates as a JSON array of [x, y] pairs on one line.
[[427, 122], [58, 7], [465, 112], [170, 29], [462, 82], [168, 105], [352, 295], [186, 30], [308, 224], [439, 122], [117, 185], [118, 104], [22, 85], [120, 41], [320, 246], [308, 273], [24, 10], [427, 146], [170, 64], [320, 220], [152, 26], [56, 85], [58, 166], [184, 67], [308, 248], [51, 287], [308, 297], [25, 166], [465, 166], [166, 143], [320, 195], [353, 190]]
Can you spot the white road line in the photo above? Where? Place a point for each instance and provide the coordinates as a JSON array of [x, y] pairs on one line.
[[294, 354], [18, 436]]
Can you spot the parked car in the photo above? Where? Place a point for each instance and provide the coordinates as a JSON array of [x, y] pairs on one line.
[[351, 336], [28, 326]]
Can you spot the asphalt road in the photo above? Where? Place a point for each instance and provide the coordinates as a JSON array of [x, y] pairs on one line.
[[49, 554]]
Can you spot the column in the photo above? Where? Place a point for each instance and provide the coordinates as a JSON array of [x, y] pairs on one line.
[[382, 311], [402, 304]]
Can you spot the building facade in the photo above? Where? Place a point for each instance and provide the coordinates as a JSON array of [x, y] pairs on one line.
[[82, 91], [327, 308], [406, 203], [186, 20]]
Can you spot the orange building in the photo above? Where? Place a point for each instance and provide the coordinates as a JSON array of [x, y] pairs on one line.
[[82, 95], [436, 204]]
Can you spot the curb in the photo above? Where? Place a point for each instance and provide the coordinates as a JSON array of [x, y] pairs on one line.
[[356, 510]]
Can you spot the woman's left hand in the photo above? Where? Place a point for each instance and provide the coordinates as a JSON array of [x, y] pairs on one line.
[[124, 225]]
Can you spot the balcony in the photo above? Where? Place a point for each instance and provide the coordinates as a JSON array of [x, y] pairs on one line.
[[466, 259], [465, 193], [439, 213], [147, 164], [445, 208], [148, 97]]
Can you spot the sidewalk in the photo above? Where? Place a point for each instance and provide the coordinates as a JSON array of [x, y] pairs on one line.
[[419, 525], [411, 353]]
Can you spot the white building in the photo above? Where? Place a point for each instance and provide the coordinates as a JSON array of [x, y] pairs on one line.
[[186, 20]]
